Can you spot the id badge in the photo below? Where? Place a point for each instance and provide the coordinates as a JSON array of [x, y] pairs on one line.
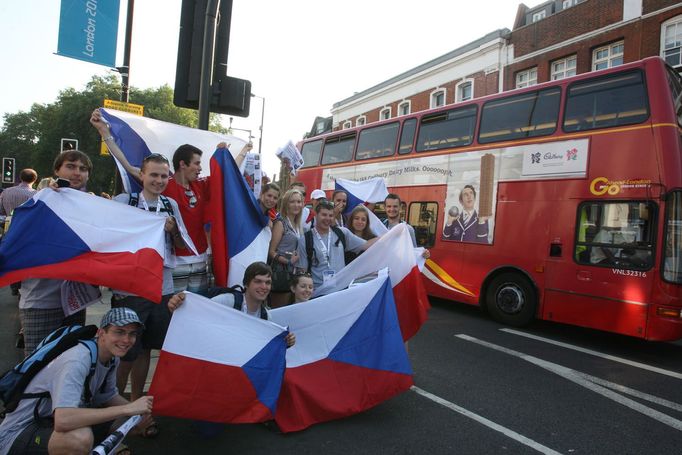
[[327, 275]]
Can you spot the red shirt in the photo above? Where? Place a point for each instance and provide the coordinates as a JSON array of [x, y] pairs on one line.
[[196, 217]]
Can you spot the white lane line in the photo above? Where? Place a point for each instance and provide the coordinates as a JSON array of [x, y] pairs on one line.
[[575, 376], [673, 374], [632, 392], [488, 423]]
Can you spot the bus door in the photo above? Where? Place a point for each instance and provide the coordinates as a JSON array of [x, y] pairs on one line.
[[599, 270]]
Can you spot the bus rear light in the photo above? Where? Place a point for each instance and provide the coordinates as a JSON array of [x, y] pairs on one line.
[[669, 312]]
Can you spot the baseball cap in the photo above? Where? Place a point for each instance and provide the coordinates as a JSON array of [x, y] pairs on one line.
[[316, 194], [119, 317]]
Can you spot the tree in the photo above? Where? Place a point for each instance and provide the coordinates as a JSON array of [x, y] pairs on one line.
[[33, 137]]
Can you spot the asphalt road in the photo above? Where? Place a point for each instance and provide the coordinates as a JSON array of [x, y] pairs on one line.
[[479, 389]]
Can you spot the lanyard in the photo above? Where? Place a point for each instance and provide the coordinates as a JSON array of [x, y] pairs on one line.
[[291, 226], [325, 250], [146, 207]]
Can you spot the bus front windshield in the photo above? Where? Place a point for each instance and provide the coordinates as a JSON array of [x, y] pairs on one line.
[[672, 256]]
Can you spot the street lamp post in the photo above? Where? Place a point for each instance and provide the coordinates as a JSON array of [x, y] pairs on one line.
[[262, 117]]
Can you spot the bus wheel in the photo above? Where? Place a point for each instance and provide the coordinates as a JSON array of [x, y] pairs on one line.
[[510, 299]]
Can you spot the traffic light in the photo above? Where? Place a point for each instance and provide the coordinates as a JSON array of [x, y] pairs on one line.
[[69, 144], [8, 170]]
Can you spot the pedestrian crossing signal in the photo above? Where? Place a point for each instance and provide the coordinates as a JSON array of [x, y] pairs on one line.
[[8, 170]]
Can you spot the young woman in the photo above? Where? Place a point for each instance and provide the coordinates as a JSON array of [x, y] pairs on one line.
[[340, 199], [301, 287], [269, 196], [358, 224], [286, 230]]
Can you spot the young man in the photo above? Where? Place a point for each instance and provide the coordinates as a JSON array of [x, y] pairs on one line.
[[328, 255], [467, 226], [315, 197], [40, 304], [62, 423], [154, 175], [392, 207], [257, 283], [13, 197]]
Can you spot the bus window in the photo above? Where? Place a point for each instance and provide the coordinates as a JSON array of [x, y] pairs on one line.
[[423, 218], [672, 254], [616, 234], [612, 100], [453, 128], [516, 117], [311, 153], [338, 149], [377, 141], [407, 136]]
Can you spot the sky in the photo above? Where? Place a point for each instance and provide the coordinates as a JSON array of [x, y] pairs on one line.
[[302, 56]]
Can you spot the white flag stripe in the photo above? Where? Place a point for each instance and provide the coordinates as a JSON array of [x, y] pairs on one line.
[[206, 330], [375, 224], [393, 250], [370, 190], [163, 137], [256, 251], [98, 221], [321, 323]]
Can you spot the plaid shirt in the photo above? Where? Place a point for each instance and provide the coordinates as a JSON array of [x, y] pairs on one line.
[[13, 197]]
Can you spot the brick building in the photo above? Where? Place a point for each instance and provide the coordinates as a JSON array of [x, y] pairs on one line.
[[555, 39]]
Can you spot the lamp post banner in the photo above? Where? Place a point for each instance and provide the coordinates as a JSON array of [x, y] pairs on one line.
[[88, 30]]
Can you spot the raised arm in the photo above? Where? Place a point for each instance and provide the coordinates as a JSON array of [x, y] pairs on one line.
[[103, 129]]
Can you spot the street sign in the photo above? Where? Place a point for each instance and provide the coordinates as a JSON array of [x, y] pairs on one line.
[[8, 170], [132, 108]]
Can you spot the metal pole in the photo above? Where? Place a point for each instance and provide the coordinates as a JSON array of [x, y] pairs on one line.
[[262, 118], [205, 88], [125, 69]]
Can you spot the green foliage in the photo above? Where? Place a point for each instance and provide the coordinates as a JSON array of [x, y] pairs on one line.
[[33, 137]]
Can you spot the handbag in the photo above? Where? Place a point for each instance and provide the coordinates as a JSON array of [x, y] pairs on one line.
[[280, 277]]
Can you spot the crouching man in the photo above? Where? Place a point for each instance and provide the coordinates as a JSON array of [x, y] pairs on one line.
[[62, 423], [257, 283]]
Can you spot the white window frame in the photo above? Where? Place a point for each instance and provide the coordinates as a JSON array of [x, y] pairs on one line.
[[611, 55], [385, 113], [540, 15], [531, 77], [458, 90], [675, 22], [347, 124], [362, 120], [568, 3], [434, 95], [407, 103], [567, 70]]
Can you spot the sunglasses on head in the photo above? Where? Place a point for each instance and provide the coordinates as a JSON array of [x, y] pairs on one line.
[[155, 157], [325, 204]]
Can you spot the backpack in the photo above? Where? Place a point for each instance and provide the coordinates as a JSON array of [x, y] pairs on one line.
[[14, 381], [238, 294], [134, 199], [310, 249]]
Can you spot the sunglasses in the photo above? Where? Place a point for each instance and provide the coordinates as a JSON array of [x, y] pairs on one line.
[[155, 157], [325, 204], [192, 198]]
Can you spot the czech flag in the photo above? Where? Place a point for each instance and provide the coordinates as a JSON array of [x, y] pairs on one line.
[[239, 233], [72, 235], [393, 251], [219, 365], [348, 357], [368, 191], [138, 137]]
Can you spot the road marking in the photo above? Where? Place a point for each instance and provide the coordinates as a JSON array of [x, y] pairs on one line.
[[488, 423], [577, 377], [673, 374], [635, 393]]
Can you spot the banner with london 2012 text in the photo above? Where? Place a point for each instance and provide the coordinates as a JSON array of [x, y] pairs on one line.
[[88, 30]]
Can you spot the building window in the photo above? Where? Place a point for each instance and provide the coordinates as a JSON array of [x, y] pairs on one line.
[[385, 113], [527, 77], [608, 56], [671, 41], [564, 67], [361, 121], [347, 124], [438, 98], [404, 108], [465, 90], [568, 3], [539, 15]]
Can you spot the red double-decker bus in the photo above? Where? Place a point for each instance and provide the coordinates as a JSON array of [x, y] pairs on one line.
[[561, 201]]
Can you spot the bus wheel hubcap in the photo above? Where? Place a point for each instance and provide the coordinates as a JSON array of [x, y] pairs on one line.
[[510, 299]]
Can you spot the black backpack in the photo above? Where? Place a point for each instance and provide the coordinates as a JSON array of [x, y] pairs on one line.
[[14, 381], [238, 293], [310, 249], [134, 199]]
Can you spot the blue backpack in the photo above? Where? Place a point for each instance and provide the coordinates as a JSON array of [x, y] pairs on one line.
[[14, 381]]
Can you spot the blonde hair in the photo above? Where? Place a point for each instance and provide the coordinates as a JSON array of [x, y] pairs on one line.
[[284, 212]]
